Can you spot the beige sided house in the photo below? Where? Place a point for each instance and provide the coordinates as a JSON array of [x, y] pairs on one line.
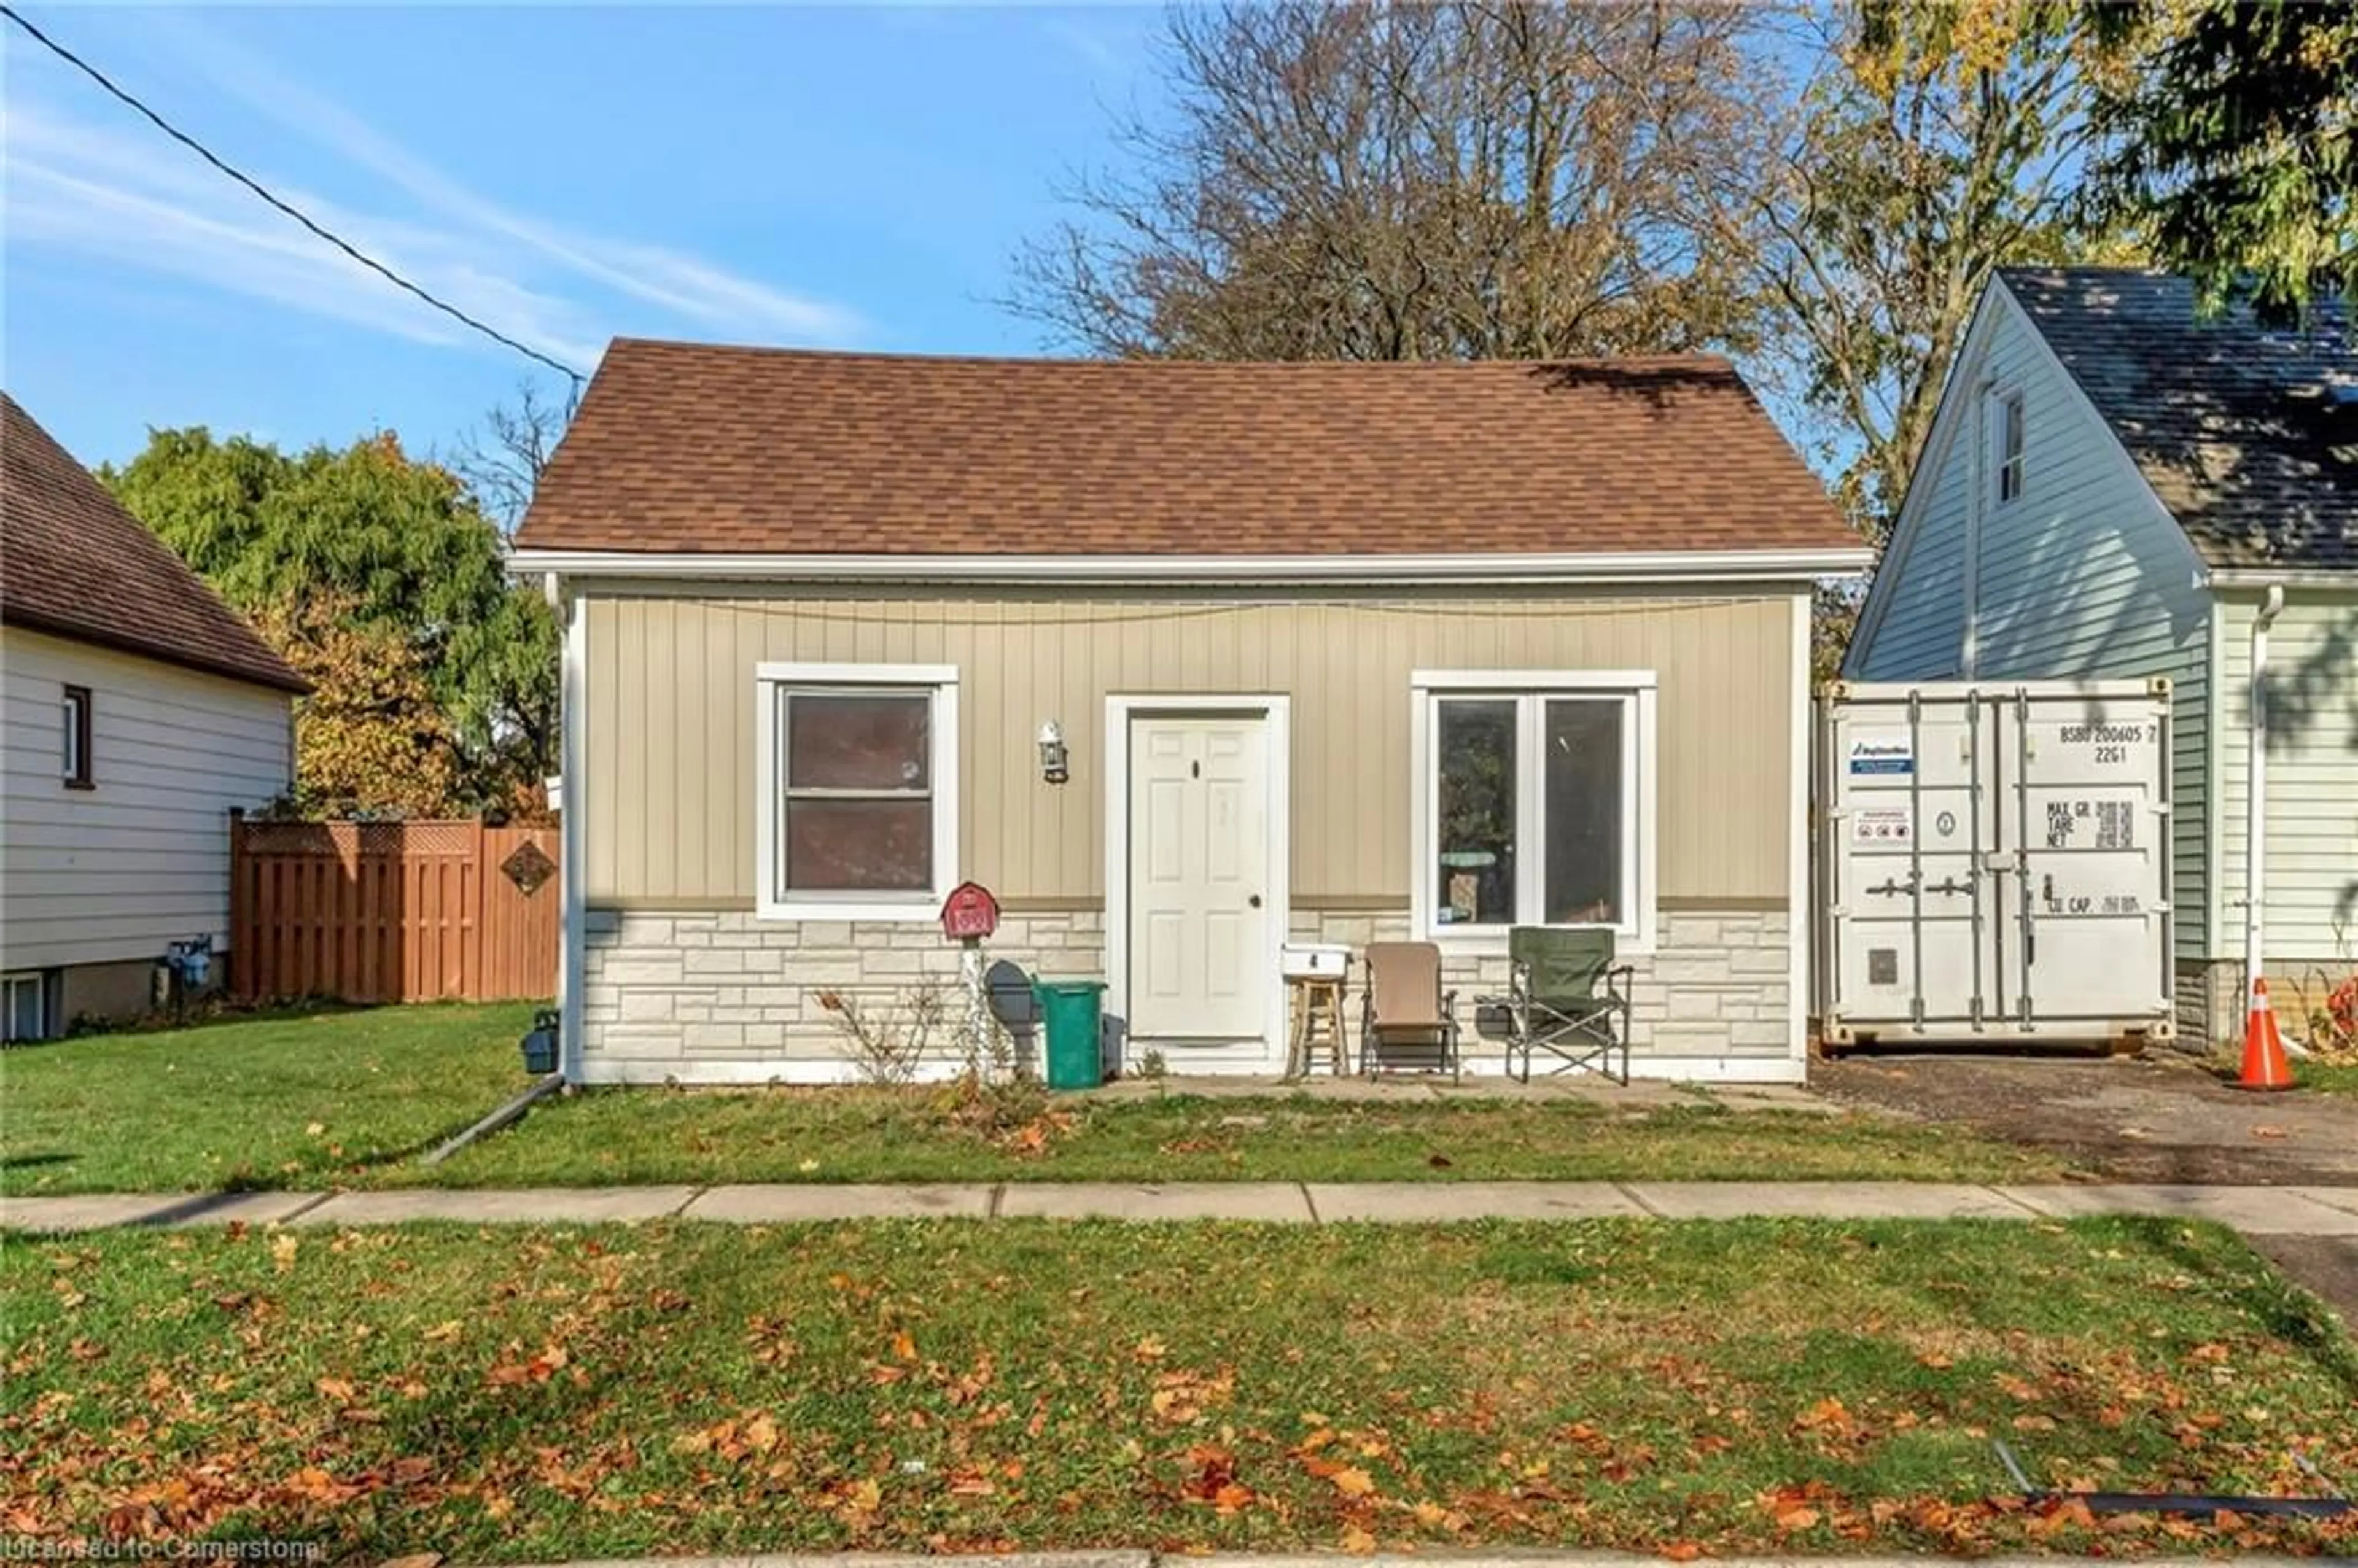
[[1335, 651]]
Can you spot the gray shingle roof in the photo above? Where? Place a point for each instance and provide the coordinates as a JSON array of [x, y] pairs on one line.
[[2248, 435]]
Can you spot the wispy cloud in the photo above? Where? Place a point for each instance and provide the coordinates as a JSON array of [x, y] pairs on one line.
[[1093, 48], [654, 274], [104, 193], [78, 186]]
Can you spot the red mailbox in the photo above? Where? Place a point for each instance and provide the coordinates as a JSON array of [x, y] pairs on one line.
[[969, 912]]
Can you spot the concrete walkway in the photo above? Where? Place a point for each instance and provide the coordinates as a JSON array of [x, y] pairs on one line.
[[1488, 1087], [1519, 1557], [2315, 1211]]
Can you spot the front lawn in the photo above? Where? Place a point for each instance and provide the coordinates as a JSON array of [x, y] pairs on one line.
[[350, 1099], [848, 1134], [298, 1099], [1787, 1388]]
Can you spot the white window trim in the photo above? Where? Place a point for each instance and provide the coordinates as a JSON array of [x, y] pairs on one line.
[[768, 678], [77, 726], [1641, 782], [2005, 399], [39, 982]]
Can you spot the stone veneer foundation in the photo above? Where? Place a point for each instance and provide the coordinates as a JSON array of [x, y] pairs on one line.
[[721, 996]]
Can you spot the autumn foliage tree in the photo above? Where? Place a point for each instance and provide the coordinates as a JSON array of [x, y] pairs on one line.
[[373, 739], [402, 551], [1919, 146]]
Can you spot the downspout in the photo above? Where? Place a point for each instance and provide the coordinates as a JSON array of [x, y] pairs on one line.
[[572, 825], [2256, 795], [1969, 641]]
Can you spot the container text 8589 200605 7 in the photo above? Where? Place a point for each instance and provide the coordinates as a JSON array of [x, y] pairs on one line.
[[1993, 862]]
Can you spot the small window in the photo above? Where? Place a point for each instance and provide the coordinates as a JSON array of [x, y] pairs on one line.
[[858, 801], [24, 1007], [2009, 448], [1535, 802], [74, 716]]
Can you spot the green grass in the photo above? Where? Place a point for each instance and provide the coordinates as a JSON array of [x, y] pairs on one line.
[[2332, 1078], [2342, 1079], [540, 1395], [911, 1135], [287, 1101], [350, 1099]]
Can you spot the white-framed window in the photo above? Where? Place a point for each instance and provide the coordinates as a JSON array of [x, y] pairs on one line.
[[2010, 437], [857, 806], [73, 718], [24, 1006], [1534, 802]]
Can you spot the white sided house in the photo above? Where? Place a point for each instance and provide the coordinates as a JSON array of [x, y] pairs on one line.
[[2114, 487], [1183, 662], [137, 711]]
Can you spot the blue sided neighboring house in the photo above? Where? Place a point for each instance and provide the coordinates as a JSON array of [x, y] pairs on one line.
[[2113, 487]]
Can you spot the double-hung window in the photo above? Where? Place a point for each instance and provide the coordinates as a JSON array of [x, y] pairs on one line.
[[1534, 802], [858, 790]]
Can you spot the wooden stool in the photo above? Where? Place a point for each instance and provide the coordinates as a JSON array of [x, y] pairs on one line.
[[1317, 1020]]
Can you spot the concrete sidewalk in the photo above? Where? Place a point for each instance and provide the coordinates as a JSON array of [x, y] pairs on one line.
[[2315, 1211], [1441, 1557]]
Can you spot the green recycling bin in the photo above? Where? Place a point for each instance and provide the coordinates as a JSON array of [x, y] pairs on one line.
[[1070, 1016]]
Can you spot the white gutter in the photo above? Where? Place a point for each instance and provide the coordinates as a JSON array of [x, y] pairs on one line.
[[2256, 796], [1652, 565], [2272, 576]]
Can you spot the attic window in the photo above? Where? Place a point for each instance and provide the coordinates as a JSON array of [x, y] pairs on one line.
[[2010, 447], [73, 715]]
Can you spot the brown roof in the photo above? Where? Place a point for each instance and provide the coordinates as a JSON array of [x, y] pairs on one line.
[[685, 448], [75, 564]]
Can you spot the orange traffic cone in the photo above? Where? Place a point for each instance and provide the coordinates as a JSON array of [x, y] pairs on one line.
[[2264, 1066]]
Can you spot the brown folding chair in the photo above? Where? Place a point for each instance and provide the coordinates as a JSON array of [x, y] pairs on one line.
[[1406, 1021]]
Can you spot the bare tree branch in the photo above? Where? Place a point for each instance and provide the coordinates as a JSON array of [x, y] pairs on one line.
[[500, 459]]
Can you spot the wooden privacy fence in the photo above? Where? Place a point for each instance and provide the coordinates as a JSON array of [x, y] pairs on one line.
[[381, 912]]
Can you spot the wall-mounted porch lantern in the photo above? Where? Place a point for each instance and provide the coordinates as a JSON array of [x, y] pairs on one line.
[[1053, 767]]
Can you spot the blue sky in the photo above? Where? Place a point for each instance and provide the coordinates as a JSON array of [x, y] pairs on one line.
[[820, 177]]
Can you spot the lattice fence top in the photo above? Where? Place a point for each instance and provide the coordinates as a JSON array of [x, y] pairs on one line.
[[347, 839]]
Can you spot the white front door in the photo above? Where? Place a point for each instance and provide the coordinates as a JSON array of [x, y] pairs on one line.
[[1198, 948]]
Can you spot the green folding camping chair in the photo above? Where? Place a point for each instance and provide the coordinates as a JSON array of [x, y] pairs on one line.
[[1567, 998]]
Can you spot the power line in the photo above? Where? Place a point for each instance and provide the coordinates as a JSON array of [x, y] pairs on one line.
[[341, 244]]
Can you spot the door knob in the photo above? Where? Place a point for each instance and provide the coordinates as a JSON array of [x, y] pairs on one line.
[[1254, 900]]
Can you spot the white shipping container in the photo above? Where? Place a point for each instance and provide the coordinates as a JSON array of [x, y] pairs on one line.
[[1993, 862]]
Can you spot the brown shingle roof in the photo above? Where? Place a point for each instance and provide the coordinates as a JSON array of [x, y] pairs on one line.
[[683, 447], [75, 564]]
